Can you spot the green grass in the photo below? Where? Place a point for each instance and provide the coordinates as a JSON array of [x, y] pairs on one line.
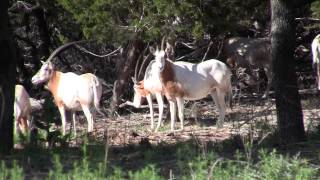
[[184, 161]]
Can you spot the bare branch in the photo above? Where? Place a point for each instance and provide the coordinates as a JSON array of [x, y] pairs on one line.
[[96, 55], [307, 19], [208, 49]]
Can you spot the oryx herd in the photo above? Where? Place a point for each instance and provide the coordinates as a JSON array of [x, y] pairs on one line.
[[177, 81]]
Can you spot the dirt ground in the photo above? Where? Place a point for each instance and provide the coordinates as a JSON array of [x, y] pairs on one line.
[[249, 115], [130, 140]]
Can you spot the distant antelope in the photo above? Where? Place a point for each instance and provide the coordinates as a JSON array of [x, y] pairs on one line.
[[147, 87], [248, 53], [70, 91], [315, 46], [187, 81], [22, 110]]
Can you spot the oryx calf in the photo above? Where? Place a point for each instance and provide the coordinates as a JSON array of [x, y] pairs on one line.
[[148, 87]]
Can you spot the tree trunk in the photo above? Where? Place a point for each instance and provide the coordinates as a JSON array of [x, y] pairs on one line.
[[288, 104], [135, 48], [7, 81]]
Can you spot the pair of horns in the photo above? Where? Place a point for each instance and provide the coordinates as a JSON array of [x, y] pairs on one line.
[[162, 43], [138, 70]]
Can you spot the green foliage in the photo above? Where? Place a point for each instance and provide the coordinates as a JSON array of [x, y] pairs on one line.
[[118, 20], [315, 8], [191, 162], [148, 172], [15, 172], [273, 166]]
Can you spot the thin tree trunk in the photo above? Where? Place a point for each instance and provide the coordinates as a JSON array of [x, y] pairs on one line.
[[288, 103], [43, 32], [121, 84], [7, 81]]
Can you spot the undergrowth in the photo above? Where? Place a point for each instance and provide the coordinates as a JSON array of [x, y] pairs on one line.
[[189, 162]]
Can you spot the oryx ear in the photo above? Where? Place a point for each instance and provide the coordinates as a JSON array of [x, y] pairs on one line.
[[50, 64], [152, 50], [169, 48], [133, 80], [42, 62]]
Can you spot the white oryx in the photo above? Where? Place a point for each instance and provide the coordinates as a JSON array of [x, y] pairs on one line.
[[315, 46], [71, 92], [148, 87], [187, 81], [22, 110]]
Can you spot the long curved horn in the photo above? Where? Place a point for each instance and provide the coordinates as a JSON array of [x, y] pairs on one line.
[[63, 47], [136, 68], [143, 64], [162, 42], [136, 71]]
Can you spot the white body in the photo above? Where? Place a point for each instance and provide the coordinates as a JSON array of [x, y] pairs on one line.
[[71, 92], [199, 79], [184, 80], [315, 46], [22, 110], [150, 86]]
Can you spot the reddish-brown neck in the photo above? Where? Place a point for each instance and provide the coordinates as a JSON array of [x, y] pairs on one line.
[[53, 84], [171, 87], [167, 74]]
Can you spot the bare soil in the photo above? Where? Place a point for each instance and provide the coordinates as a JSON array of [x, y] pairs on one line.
[[249, 115]]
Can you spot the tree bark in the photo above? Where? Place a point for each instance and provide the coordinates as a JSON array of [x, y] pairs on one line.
[[288, 103], [135, 48], [7, 81]]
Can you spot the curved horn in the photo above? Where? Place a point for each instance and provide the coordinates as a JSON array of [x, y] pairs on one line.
[[63, 47], [136, 68], [136, 71], [162, 42], [143, 64]]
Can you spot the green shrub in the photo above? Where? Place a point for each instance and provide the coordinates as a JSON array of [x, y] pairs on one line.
[[15, 172]]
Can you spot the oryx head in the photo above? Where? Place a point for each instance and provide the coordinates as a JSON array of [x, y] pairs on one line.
[[47, 68], [162, 54], [44, 74]]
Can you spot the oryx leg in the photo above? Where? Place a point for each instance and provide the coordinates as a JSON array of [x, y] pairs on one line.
[[17, 126], [24, 125], [180, 104], [222, 110], [149, 99], [89, 117], [269, 83], [318, 74], [219, 99], [173, 112], [135, 103], [160, 104], [74, 122], [63, 119]]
